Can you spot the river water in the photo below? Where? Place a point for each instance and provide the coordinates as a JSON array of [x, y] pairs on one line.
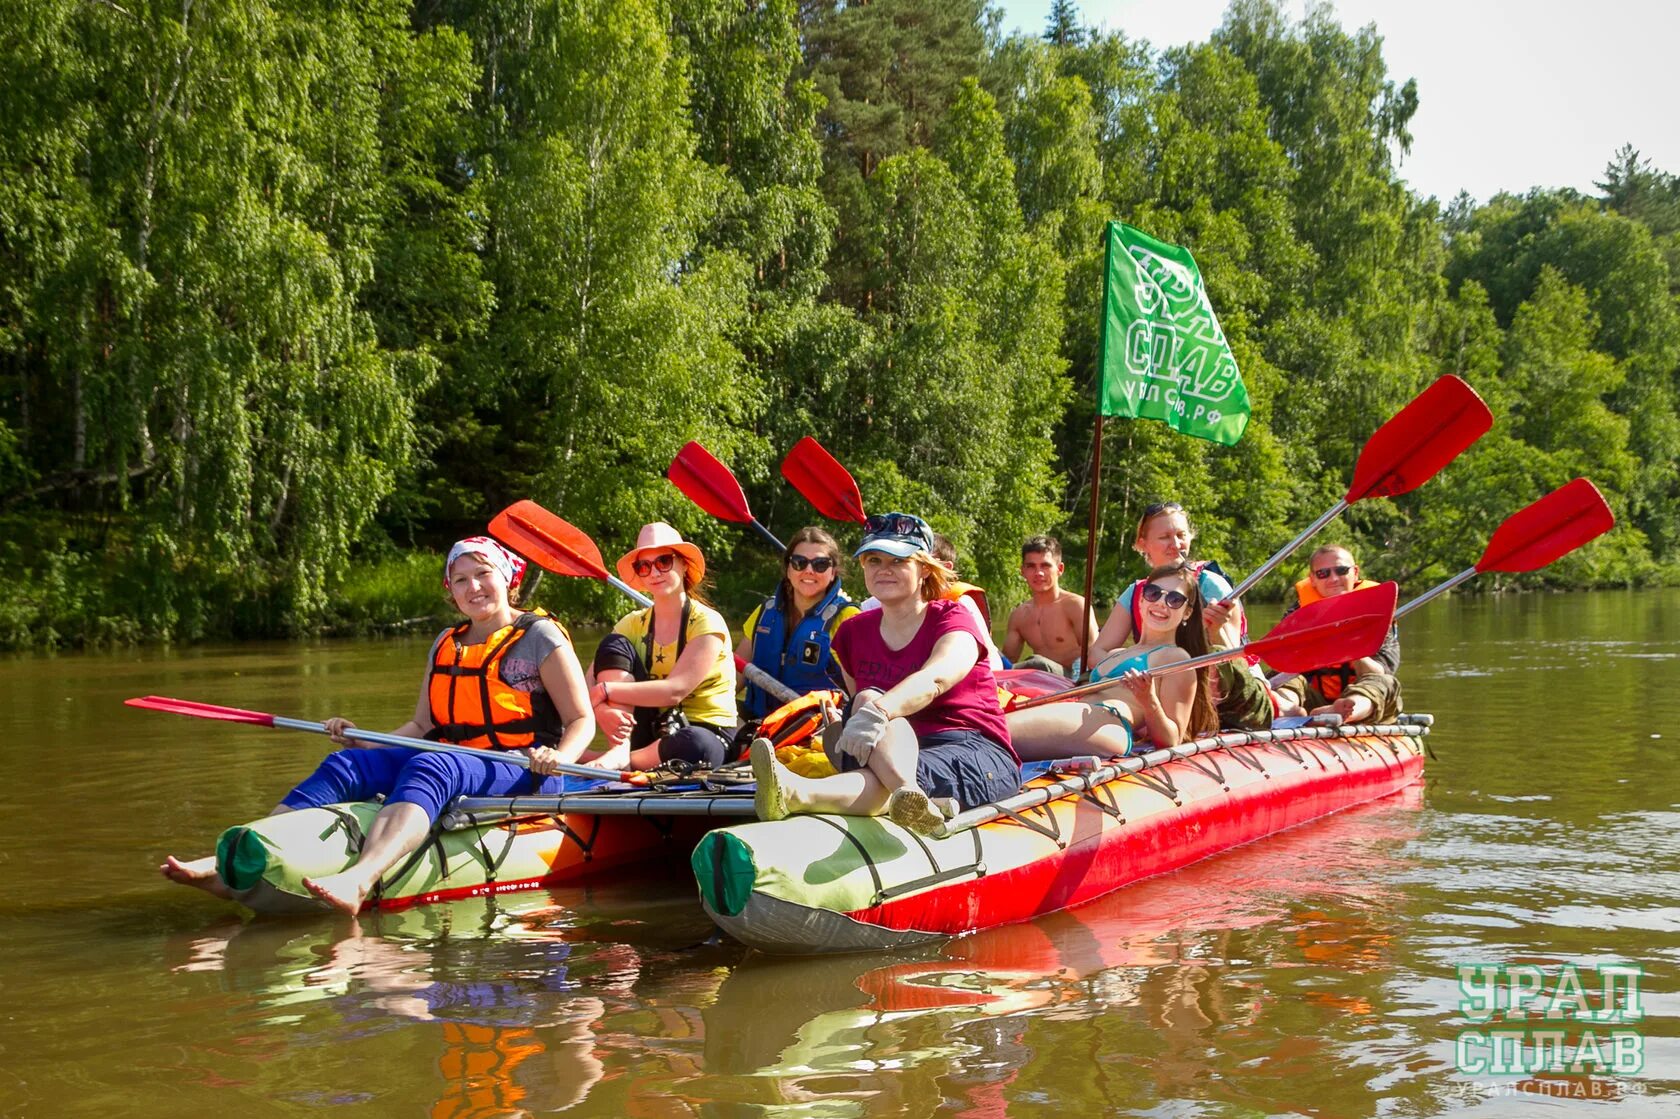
[[1311, 973]]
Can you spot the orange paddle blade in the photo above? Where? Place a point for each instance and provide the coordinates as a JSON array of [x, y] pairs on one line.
[[1425, 435], [821, 480], [548, 541], [1549, 528], [709, 484]]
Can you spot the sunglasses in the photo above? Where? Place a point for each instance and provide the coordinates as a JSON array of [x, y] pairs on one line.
[[1326, 572], [662, 563], [895, 524], [1155, 592], [1156, 508], [819, 564]]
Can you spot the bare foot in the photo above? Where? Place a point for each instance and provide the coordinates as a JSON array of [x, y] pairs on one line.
[[1352, 709], [200, 873], [343, 891], [1287, 707]]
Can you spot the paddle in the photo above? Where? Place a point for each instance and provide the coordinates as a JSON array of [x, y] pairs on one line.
[[821, 480], [555, 545], [1401, 455], [773, 686], [1535, 535], [197, 710], [710, 484], [1330, 631]]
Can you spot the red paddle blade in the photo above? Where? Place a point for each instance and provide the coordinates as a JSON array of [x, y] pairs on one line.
[[1331, 643], [1331, 630], [821, 480], [1546, 529], [550, 542], [1425, 435], [200, 710], [709, 484]]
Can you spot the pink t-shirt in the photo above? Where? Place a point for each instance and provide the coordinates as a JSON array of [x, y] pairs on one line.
[[972, 702]]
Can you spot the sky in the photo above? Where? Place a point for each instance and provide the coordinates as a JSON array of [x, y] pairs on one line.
[[1512, 94]]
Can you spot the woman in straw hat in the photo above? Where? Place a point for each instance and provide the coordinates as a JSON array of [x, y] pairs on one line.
[[663, 682]]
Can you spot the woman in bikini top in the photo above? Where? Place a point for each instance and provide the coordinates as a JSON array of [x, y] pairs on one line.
[[1164, 711]]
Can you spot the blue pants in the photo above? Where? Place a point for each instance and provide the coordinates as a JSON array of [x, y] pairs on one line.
[[417, 777]]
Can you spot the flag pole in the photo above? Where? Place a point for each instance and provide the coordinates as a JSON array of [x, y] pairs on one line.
[[1092, 528], [1091, 552]]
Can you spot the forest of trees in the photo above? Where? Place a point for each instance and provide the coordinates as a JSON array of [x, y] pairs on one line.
[[295, 292]]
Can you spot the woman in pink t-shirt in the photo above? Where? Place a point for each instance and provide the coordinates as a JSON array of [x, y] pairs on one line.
[[925, 736]]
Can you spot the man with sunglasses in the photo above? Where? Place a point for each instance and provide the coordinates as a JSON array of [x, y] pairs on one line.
[[1361, 691]]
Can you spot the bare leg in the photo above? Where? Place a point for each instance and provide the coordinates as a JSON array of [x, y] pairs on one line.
[[398, 829], [202, 873], [617, 754], [1058, 730], [645, 758]]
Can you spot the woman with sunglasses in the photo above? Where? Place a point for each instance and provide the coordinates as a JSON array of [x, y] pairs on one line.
[[663, 682], [1166, 711], [789, 635], [924, 734], [525, 692], [1164, 537]]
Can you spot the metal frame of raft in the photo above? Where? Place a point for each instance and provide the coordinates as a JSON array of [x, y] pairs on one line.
[[814, 884]]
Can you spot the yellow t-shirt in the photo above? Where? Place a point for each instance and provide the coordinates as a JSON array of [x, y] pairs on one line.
[[713, 699]]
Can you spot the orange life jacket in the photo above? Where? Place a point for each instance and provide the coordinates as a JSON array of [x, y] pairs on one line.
[[471, 705], [799, 719], [978, 594], [1331, 680]]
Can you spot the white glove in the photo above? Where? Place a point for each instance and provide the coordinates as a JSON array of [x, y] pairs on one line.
[[866, 727]]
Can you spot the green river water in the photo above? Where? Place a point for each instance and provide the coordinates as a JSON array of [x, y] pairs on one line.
[[1310, 973]]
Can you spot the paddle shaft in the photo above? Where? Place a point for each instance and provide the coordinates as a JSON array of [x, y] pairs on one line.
[[769, 537], [1103, 685], [378, 738], [1284, 553], [636, 596], [1437, 591], [756, 675]]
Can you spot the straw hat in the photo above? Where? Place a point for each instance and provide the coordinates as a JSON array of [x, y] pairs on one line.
[[661, 537]]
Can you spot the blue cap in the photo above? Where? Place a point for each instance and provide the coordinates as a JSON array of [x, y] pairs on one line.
[[896, 534]]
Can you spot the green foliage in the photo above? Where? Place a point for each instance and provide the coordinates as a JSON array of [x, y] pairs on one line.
[[291, 295]]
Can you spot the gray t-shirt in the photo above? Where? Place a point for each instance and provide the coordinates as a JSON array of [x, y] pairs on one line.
[[521, 666]]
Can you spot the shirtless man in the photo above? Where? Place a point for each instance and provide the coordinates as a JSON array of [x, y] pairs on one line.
[[1361, 691], [1053, 620]]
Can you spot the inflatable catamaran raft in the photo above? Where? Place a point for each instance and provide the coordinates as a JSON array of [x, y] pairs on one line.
[[810, 884]]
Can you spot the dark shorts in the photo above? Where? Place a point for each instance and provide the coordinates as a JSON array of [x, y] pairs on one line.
[[700, 743], [964, 764]]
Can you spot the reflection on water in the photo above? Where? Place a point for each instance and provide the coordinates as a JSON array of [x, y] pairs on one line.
[[1310, 973]]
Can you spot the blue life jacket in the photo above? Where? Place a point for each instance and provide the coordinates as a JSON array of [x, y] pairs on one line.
[[800, 659]]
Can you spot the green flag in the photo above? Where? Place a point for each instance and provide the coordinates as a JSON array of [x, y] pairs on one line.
[[1163, 354]]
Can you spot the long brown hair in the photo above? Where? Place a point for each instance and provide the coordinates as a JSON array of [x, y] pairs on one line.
[[808, 535], [1191, 636]]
